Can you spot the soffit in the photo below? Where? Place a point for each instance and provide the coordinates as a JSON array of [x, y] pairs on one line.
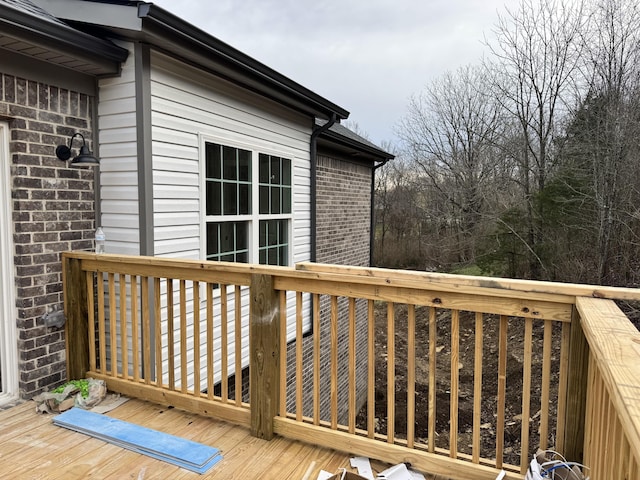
[[34, 34]]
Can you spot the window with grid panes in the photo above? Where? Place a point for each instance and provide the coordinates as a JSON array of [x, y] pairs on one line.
[[248, 205]]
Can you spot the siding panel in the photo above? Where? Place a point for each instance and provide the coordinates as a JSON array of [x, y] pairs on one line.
[[118, 164]]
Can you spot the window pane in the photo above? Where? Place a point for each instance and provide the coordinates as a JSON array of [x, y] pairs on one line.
[[262, 234], [275, 200], [244, 165], [286, 200], [230, 163], [263, 168], [230, 200], [241, 236], [286, 171], [282, 255], [272, 256], [245, 199], [214, 200], [282, 231], [275, 170], [264, 200], [263, 257], [213, 160], [213, 247], [227, 237]]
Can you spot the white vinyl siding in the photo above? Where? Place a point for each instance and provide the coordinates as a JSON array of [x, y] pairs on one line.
[[119, 192], [189, 107]]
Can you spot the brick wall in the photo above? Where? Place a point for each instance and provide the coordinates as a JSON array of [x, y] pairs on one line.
[[343, 225], [53, 211]]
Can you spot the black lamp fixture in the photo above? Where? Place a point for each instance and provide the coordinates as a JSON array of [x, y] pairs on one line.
[[84, 158]]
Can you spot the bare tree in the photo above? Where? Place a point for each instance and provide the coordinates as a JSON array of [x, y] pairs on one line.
[[606, 126], [450, 131], [535, 53]]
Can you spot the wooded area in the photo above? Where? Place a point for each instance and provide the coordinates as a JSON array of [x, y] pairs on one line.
[[526, 164]]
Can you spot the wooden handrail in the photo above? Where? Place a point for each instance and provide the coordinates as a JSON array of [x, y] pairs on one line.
[[160, 300]]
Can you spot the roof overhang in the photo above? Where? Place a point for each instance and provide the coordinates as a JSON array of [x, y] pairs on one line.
[[57, 43], [341, 139], [146, 22]]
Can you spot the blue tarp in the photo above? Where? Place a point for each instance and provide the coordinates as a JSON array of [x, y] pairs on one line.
[[178, 451]]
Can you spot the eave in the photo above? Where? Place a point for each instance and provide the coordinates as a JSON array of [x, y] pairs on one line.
[[58, 44]]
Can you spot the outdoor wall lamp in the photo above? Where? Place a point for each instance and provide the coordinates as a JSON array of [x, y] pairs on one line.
[[84, 158]]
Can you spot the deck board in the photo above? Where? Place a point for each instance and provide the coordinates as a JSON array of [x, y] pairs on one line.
[[32, 448]]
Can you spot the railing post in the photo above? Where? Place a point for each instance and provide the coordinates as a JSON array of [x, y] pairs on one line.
[[576, 391], [264, 366], [75, 310]]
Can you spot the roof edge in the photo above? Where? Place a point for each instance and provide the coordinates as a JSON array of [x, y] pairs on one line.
[[176, 26], [63, 37]]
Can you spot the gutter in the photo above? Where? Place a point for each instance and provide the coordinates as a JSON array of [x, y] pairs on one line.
[[372, 225], [200, 43], [313, 153]]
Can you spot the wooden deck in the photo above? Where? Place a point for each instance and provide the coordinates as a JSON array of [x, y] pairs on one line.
[[31, 447]]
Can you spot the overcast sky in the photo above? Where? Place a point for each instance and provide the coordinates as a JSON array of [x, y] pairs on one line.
[[368, 56]]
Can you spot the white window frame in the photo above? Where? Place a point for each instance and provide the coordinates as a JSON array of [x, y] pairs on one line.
[[8, 310], [256, 147]]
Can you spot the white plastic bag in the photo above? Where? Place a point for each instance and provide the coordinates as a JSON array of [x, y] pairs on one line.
[[550, 465]]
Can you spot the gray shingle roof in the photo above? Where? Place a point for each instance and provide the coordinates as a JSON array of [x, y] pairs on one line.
[[34, 10], [339, 132]]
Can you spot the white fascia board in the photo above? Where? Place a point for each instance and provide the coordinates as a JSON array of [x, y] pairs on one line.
[[94, 13]]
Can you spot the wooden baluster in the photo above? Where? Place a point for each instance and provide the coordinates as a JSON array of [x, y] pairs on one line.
[[432, 380], [316, 359], [391, 372], [546, 384], [334, 362], [224, 344], [477, 388], [282, 319], [565, 342], [146, 331], [411, 375], [352, 366], [157, 317], [502, 386], [526, 395], [113, 325], [210, 358], [135, 333], [455, 384], [183, 338], [102, 336], [238, 335], [124, 337], [196, 339], [299, 379], [91, 325], [371, 370], [171, 357]]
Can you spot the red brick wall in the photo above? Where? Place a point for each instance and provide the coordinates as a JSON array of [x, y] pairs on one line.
[[343, 212], [53, 211]]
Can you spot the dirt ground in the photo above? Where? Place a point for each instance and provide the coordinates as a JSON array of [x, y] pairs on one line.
[[514, 380]]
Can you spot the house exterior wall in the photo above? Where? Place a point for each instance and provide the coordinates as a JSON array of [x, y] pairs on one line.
[[53, 211]]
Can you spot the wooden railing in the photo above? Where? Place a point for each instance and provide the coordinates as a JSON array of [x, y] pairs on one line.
[[461, 376]]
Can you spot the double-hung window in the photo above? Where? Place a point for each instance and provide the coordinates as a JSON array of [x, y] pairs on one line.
[[248, 207]]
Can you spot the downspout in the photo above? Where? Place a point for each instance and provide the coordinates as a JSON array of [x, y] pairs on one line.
[[372, 225], [313, 151]]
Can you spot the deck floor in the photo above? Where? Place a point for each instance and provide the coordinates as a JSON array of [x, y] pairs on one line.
[[31, 447]]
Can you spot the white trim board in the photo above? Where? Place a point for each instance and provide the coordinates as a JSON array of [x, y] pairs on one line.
[[8, 329]]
